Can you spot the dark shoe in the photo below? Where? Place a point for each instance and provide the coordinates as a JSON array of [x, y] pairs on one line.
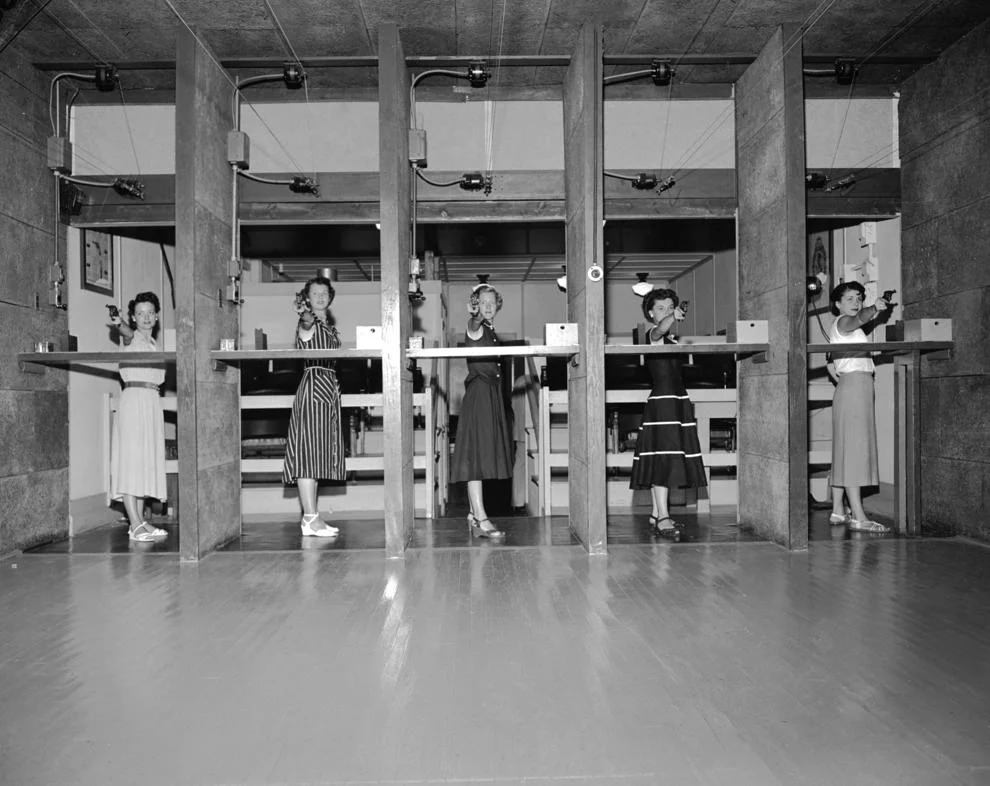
[[669, 531]]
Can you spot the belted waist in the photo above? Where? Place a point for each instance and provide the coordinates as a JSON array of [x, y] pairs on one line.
[[149, 385]]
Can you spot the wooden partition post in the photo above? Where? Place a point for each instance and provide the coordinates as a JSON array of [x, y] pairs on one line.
[[395, 196], [584, 210], [209, 432], [773, 396]]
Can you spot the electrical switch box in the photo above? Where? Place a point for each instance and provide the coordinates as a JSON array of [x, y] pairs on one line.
[[560, 334], [753, 331], [867, 233], [239, 149], [60, 154], [417, 147]]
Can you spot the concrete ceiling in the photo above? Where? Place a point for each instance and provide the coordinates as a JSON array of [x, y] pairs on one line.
[[526, 44], [709, 40]]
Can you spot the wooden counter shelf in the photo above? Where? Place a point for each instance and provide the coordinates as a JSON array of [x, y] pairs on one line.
[[533, 350], [28, 361], [758, 352], [221, 358], [886, 347]]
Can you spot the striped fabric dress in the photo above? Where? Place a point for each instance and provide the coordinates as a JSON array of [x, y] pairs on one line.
[[315, 443], [667, 449]]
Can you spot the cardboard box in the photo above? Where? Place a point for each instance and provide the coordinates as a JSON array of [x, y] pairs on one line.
[[928, 330], [752, 331], [560, 334], [368, 336]]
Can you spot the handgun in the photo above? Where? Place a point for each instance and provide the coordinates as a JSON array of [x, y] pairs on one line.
[[114, 311], [888, 295]]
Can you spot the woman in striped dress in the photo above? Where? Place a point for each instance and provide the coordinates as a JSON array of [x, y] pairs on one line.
[[314, 449], [667, 449]]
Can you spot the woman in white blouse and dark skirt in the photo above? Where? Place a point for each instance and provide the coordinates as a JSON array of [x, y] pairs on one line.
[[854, 430]]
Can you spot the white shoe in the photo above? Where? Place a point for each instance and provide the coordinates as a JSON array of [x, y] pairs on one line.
[[324, 530]]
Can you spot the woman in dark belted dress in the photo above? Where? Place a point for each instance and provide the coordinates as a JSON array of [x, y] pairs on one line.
[[668, 452], [314, 449], [483, 445]]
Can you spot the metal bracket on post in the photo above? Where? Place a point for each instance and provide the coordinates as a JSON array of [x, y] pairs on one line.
[[27, 367]]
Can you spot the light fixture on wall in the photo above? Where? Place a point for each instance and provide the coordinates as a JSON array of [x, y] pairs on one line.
[[644, 181], [469, 181], [562, 279], [642, 287], [660, 71], [844, 70]]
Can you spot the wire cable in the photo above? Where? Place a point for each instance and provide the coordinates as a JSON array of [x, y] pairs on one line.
[[421, 176], [233, 83], [295, 58]]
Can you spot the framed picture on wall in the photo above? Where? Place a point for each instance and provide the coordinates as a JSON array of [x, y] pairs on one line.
[[96, 261], [820, 258]]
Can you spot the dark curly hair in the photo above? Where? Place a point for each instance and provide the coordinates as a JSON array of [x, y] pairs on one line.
[[476, 295], [143, 297], [658, 294], [840, 290], [321, 280]]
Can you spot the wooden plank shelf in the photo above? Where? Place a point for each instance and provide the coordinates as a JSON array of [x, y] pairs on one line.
[[891, 347], [92, 358], [534, 350], [687, 348], [237, 355]]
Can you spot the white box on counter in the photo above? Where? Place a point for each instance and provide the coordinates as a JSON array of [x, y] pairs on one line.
[[748, 331]]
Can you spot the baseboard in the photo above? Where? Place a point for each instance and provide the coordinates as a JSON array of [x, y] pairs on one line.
[[88, 513]]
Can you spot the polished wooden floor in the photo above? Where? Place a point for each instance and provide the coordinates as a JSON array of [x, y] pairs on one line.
[[860, 661]]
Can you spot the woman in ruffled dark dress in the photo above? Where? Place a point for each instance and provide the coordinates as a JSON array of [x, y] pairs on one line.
[[314, 449], [668, 453], [483, 445]]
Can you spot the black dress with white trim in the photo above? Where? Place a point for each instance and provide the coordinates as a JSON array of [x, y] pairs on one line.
[[668, 452]]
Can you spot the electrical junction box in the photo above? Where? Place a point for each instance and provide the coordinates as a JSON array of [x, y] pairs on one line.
[[239, 149], [928, 330], [417, 147], [368, 336], [753, 331], [60, 154], [867, 233], [560, 334]]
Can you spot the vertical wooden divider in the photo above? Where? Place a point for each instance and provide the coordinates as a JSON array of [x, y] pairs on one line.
[[395, 196], [209, 430], [584, 211], [773, 396]]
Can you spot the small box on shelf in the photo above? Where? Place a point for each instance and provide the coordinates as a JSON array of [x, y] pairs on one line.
[[928, 330], [368, 336], [750, 331], [560, 334]]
